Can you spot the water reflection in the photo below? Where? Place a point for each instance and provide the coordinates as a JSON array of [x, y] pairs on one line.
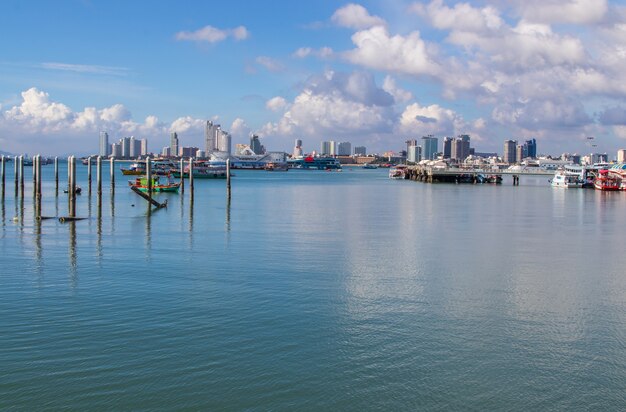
[[191, 220], [228, 211], [72, 253], [149, 233]]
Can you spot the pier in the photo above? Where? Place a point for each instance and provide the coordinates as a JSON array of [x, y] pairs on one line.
[[437, 174]]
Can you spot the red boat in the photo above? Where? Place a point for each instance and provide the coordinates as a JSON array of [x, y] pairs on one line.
[[607, 181]]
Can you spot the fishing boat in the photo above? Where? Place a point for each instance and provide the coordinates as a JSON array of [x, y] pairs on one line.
[[566, 180], [158, 184], [397, 172], [607, 181], [134, 169], [276, 167], [369, 166]]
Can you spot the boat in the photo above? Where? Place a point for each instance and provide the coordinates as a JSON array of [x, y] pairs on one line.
[[203, 170], [607, 181], [276, 167], [496, 179], [369, 166], [134, 169], [317, 163], [566, 180], [78, 190], [158, 185], [397, 172]]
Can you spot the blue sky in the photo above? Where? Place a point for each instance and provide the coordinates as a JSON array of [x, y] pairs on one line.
[[373, 73]]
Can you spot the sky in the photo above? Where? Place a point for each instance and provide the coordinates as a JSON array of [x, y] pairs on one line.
[[374, 73]]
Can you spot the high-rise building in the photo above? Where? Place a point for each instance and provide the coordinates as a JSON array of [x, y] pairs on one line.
[[255, 144], [360, 151], [173, 144], [409, 143], [223, 142], [344, 149], [510, 150], [465, 146], [297, 148], [212, 134], [621, 156], [187, 151], [519, 153], [333, 148], [447, 147], [134, 146], [144, 147], [125, 142], [531, 148], [414, 154], [105, 148], [166, 152], [456, 150], [325, 148], [429, 147], [116, 150]]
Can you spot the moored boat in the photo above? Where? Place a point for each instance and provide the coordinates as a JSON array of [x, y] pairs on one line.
[[134, 169], [158, 185], [566, 180], [276, 167], [203, 170], [397, 172], [607, 181], [369, 166]]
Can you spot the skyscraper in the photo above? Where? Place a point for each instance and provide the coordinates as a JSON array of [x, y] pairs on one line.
[[325, 148], [360, 151], [447, 147], [509, 151], [344, 149], [333, 148], [212, 134], [125, 143], [531, 148], [144, 147], [223, 142], [297, 148], [173, 144], [429, 147], [105, 148], [255, 144]]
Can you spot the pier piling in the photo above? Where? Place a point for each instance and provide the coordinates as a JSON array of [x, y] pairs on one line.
[[89, 174], [112, 174], [22, 176], [182, 175], [191, 176], [149, 176], [3, 171], [99, 175], [72, 186], [16, 174]]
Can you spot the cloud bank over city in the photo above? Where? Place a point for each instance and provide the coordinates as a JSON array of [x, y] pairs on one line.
[[550, 70]]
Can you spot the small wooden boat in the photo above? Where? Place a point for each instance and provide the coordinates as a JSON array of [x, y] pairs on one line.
[[158, 185], [134, 169]]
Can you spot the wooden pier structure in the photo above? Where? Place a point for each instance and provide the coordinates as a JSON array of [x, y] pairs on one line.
[[433, 174]]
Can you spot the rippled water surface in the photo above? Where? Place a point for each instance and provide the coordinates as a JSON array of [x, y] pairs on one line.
[[315, 291]]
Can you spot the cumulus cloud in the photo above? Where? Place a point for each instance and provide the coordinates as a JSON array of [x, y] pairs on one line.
[[323, 53], [355, 16], [563, 11], [418, 120], [239, 129], [461, 17], [399, 95], [210, 34], [377, 49], [276, 104]]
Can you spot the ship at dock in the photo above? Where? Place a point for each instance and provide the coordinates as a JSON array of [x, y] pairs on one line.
[[314, 163]]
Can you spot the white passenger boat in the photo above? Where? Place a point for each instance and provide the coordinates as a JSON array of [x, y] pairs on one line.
[[397, 172], [566, 180]]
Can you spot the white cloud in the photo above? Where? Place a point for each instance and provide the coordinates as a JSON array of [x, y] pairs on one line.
[[563, 11], [461, 17], [84, 68], [399, 95], [355, 16], [270, 64], [376, 49], [323, 53], [210, 34], [187, 124], [276, 104], [239, 129], [417, 120]]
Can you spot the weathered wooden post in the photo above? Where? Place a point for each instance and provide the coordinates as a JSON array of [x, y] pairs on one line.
[[191, 175], [89, 174], [34, 159], [112, 174], [2, 171], [22, 175], [56, 175], [228, 176], [16, 176], [72, 188], [149, 176], [99, 175], [182, 175]]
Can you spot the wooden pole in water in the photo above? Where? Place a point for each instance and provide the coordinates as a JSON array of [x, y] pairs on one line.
[[191, 175], [72, 188], [228, 176], [56, 175], [149, 176], [99, 175], [22, 175], [34, 159], [3, 171], [182, 175], [112, 173], [39, 179], [89, 174], [16, 175]]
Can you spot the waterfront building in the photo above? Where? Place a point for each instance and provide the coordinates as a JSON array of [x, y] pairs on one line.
[[297, 148], [325, 148], [116, 150], [510, 148], [621, 156], [414, 154], [187, 151], [360, 151], [333, 148], [125, 143], [531, 148], [105, 148], [143, 147], [173, 144], [344, 149], [429, 147], [447, 147], [409, 143], [255, 144], [212, 133], [224, 142], [519, 153], [166, 152], [134, 146]]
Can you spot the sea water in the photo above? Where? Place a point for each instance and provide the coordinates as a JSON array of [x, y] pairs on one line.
[[313, 290]]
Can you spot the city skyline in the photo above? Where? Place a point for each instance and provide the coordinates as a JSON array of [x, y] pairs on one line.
[[371, 73]]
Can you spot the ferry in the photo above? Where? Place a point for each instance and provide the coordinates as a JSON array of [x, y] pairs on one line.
[[204, 170], [276, 167], [134, 169], [369, 166], [317, 163], [607, 181], [566, 180]]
